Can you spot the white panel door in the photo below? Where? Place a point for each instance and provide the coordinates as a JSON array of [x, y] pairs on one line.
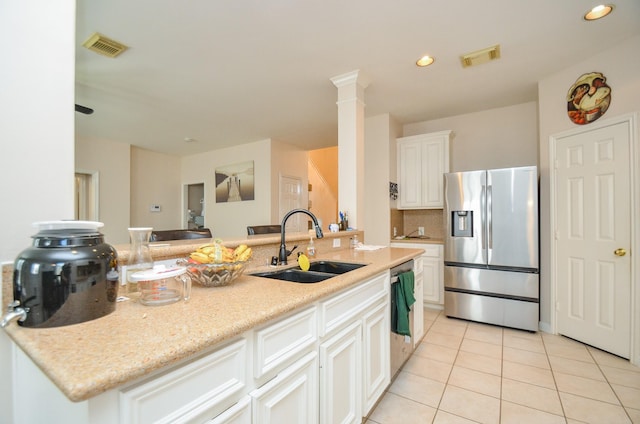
[[593, 222], [290, 198]]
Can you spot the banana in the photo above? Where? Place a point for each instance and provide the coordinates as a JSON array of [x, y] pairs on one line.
[[245, 255], [217, 253], [200, 257], [239, 250], [207, 250]]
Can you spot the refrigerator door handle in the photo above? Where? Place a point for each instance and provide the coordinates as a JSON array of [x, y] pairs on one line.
[[489, 218], [483, 222]]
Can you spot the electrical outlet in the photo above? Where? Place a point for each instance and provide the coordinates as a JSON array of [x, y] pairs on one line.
[[420, 231], [336, 242], [395, 231]]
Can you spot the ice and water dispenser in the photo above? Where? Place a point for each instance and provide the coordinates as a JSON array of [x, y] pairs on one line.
[[462, 224]]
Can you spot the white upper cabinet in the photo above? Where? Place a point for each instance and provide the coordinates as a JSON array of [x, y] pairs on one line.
[[422, 161]]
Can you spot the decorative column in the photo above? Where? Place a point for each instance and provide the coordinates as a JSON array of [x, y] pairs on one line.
[[351, 87]]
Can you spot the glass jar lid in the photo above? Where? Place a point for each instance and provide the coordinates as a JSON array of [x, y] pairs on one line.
[[158, 272], [68, 225]]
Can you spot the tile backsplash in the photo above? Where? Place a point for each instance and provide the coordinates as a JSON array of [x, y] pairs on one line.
[[407, 221]]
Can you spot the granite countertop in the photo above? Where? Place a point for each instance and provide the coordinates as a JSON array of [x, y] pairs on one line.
[[90, 358]]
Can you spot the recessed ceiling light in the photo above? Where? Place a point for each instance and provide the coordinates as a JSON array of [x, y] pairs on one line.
[[189, 140], [598, 12], [425, 61]]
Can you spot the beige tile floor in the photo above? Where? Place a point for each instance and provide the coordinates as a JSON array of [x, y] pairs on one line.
[[464, 372]]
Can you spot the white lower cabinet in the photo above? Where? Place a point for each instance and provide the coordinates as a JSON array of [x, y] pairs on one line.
[[327, 363], [291, 397], [355, 351], [432, 270]]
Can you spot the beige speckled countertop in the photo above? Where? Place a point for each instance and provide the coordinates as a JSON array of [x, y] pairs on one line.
[[86, 359]]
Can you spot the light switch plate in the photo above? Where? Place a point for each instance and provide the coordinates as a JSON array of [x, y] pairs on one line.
[[336, 242], [154, 208]]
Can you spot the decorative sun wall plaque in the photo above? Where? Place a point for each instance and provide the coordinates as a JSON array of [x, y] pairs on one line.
[[235, 183], [588, 98]]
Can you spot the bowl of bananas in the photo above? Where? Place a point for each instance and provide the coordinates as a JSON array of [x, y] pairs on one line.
[[214, 265]]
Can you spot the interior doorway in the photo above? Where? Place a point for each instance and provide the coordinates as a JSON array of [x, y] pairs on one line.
[[592, 193], [194, 202], [86, 196]]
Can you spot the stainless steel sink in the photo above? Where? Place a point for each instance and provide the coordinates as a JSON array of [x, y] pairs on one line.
[[318, 271], [332, 267], [295, 275]]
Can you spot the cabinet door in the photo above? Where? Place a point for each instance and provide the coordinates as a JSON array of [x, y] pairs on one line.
[[431, 280], [422, 162], [410, 174], [291, 397], [376, 330], [341, 377], [433, 169]]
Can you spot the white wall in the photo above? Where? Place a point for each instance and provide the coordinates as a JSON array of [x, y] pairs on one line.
[[155, 180], [36, 135], [112, 161], [494, 138], [620, 65], [380, 133], [230, 219], [37, 117]]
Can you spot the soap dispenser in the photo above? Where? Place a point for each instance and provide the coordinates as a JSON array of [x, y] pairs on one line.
[[311, 248]]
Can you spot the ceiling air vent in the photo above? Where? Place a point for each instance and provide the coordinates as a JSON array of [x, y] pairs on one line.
[[481, 56], [103, 45]]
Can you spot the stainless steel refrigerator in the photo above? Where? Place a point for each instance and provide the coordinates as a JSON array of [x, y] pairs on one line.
[[491, 271]]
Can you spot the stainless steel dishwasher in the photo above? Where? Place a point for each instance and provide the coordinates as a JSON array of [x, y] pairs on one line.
[[401, 346]]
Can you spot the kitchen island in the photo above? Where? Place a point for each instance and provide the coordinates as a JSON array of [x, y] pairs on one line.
[[136, 342]]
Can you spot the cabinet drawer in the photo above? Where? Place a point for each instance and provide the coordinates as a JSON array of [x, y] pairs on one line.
[[340, 308], [278, 344], [432, 250], [240, 413], [192, 393]]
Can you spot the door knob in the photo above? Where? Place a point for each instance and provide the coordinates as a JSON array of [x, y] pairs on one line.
[[620, 252]]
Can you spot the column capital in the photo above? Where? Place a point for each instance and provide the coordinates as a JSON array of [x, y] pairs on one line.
[[354, 77]]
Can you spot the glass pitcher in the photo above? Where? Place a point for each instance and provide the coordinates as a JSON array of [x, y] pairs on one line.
[[139, 256]]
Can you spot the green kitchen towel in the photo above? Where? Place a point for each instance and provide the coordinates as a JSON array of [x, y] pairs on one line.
[[402, 292]]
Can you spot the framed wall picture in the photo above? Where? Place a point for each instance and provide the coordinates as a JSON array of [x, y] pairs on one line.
[[235, 183], [588, 98]]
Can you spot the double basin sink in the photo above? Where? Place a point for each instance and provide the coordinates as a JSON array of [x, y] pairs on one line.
[[318, 271]]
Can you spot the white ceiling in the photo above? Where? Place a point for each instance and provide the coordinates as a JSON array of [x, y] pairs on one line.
[[237, 71]]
